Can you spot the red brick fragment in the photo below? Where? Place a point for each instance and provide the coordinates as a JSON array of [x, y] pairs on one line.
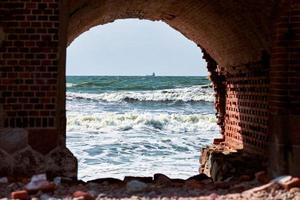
[[49, 187], [82, 195], [294, 182], [22, 194]]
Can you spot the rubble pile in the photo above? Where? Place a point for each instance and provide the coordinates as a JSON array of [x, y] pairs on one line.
[[258, 186]]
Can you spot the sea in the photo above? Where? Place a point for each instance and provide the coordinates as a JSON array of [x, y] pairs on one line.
[[139, 125]]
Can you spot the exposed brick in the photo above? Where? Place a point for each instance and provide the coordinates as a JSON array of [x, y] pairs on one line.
[[23, 20], [248, 92], [246, 121]]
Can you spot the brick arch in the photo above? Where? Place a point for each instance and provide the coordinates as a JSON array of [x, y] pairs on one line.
[[231, 32], [256, 76], [235, 37]]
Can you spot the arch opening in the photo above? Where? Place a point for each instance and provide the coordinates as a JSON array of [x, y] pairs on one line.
[[234, 49], [235, 46], [136, 124]]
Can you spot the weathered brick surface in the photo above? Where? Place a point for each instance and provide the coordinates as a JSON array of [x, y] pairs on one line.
[[285, 91], [233, 32], [260, 101], [285, 73], [247, 111], [29, 62], [29, 77], [219, 84]]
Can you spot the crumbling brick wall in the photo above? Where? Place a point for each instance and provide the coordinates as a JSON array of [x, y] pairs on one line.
[[284, 126], [247, 109], [219, 85], [259, 100], [241, 104]]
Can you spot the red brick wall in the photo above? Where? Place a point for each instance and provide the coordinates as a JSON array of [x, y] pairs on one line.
[[28, 63], [246, 119], [285, 72], [258, 108], [242, 104], [32, 83], [285, 91]]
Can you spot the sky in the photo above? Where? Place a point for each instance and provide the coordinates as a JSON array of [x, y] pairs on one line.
[[134, 47]]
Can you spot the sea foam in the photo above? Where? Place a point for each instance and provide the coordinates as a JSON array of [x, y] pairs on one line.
[[110, 121], [139, 126], [189, 94]]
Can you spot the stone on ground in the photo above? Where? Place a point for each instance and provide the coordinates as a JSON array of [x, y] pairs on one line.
[[135, 186]]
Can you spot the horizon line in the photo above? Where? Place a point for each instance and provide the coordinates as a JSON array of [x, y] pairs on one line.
[[130, 75]]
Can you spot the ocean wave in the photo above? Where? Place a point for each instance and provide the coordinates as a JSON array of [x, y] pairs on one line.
[[69, 85], [88, 85], [132, 83], [190, 94], [110, 121]]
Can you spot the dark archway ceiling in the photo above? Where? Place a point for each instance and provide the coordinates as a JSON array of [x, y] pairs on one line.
[[233, 32]]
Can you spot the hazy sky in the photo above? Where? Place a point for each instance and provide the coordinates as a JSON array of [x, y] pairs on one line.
[[134, 47]]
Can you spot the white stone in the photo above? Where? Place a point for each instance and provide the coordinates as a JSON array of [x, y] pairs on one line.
[[39, 177], [3, 180], [282, 179], [57, 180], [47, 197], [37, 181], [93, 193], [135, 186], [36, 185]]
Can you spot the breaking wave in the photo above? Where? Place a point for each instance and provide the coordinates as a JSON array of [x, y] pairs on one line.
[[189, 94], [110, 121]]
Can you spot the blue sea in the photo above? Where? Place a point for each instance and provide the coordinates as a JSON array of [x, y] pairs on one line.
[[139, 125]]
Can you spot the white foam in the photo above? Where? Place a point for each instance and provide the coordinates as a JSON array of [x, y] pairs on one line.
[[195, 93], [110, 144], [68, 85], [115, 143], [110, 121]]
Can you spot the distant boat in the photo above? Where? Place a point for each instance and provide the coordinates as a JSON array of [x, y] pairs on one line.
[[153, 74]]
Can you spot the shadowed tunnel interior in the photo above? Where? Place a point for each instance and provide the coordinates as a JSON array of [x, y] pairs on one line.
[[232, 42], [251, 48]]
